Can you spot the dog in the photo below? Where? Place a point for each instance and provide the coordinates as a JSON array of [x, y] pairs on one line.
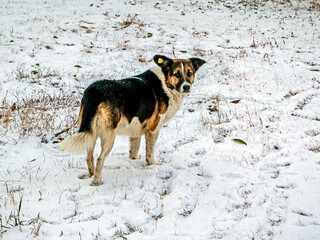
[[134, 106]]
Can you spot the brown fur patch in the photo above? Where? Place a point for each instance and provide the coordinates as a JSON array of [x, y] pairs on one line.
[[163, 107], [111, 116], [152, 122], [171, 82], [80, 115]]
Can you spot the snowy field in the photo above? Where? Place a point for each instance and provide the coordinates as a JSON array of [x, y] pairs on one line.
[[261, 84]]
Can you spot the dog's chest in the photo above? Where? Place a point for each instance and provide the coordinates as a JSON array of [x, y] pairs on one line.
[[175, 103]]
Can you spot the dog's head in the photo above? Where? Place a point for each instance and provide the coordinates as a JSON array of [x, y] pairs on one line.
[[179, 73]]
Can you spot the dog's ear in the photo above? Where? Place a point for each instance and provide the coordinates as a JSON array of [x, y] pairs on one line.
[[163, 61], [197, 63]]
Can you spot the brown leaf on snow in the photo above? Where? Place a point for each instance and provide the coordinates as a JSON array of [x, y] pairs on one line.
[[235, 101]]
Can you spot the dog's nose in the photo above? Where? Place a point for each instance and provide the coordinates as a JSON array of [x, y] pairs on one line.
[[186, 88]]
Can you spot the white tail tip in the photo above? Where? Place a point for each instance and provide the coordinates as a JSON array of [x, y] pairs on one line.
[[79, 143]]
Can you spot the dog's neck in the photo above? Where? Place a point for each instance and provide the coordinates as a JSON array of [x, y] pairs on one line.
[[175, 98]]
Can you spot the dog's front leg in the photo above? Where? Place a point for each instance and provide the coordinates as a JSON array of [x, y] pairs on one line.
[[151, 139], [134, 147]]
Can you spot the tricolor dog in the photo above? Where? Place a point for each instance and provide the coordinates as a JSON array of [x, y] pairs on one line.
[[134, 106]]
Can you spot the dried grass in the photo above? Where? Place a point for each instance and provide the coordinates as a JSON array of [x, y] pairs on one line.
[[40, 114]]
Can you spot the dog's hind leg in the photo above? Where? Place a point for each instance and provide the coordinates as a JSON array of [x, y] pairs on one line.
[[134, 147], [107, 141], [151, 139], [90, 163]]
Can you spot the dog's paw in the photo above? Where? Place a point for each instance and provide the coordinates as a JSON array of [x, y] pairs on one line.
[[96, 182], [84, 176]]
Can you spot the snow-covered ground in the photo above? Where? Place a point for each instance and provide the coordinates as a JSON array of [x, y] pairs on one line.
[[261, 84]]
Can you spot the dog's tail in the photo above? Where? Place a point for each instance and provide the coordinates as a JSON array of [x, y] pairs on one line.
[[85, 139], [79, 143]]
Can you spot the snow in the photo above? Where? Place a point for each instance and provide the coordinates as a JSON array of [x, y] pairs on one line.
[[206, 186]]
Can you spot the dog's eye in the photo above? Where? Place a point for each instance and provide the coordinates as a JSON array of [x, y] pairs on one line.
[[189, 74], [177, 75]]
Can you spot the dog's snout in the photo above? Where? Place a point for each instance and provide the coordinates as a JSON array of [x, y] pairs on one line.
[[186, 88]]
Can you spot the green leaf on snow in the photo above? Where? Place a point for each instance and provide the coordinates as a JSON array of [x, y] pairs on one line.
[[237, 140]]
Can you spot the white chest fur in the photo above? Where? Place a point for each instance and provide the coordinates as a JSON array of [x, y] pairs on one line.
[[175, 102]]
